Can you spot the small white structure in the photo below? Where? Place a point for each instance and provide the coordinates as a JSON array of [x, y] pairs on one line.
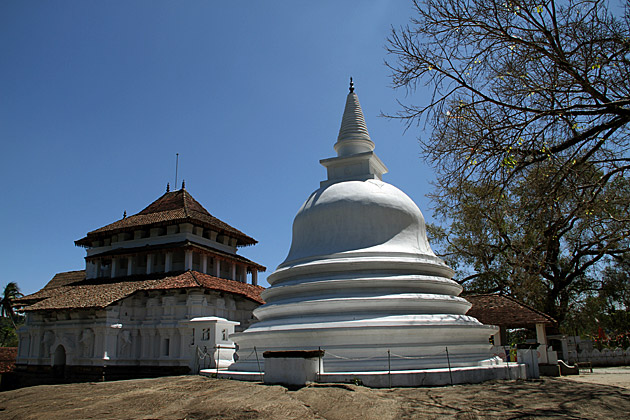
[[362, 283], [161, 293], [213, 337], [292, 367]]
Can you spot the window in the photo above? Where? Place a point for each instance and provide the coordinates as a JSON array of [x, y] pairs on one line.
[[167, 345], [205, 336]]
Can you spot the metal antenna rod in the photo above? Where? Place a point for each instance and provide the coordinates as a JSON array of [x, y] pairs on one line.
[[176, 167]]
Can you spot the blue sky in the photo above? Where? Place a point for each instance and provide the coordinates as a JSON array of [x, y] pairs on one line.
[[97, 97]]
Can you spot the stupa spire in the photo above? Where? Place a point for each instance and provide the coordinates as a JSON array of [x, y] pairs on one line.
[[355, 158], [353, 135]]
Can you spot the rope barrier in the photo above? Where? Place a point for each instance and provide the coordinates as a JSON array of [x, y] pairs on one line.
[[418, 357], [336, 356], [399, 356]]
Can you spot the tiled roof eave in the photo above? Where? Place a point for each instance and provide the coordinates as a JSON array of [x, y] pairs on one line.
[[100, 293], [242, 239], [505, 311]]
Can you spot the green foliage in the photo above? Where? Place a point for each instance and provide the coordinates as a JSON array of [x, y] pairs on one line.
[[8, 335], [10, 293], [541, 245], [607, 307], [530, 118], [520, 335], [515, 84], [9, 319]]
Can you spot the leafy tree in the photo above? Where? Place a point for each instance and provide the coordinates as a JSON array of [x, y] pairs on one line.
[[10, 294], [8, 335], [544, 249], [515, 83], [530, 112], [609, 307]]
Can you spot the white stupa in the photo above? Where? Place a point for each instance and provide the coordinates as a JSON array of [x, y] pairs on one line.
[[361, 279]]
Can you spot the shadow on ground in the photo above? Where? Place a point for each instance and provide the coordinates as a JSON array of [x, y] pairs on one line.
[[197, 398]]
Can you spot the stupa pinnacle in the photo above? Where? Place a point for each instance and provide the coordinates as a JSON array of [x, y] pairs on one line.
[[353, 135], [355, 159]]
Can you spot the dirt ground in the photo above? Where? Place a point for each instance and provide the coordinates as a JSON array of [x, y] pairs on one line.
[[617, 376], [197, 397]]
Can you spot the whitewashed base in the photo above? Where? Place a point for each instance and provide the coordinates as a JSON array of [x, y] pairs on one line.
[[403, 378]]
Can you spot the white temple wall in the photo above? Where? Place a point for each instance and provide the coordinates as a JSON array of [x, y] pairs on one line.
[[147, 329]]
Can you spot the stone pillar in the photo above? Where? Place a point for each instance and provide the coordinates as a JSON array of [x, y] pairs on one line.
[[195, 304], [217, 267], [254, 276], [187, 347], [233, 270], [204, 264], [99, 342], [111, 340], [36, 340], [93, 269], [145, 347], [129, 265], [168, 264], [188, 260], [541, 338], [154, 344], [149, 263], [114, 267], [173, 342]]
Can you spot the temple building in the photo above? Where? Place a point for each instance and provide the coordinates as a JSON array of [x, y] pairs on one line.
[[160, 294], [362, 288]]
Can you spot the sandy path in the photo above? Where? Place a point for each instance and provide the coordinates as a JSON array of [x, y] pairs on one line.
[[615, 376], [196, 397]]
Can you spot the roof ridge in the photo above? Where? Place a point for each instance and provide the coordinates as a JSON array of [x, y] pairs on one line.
[[184, 192], [192, 273], [175, 205]]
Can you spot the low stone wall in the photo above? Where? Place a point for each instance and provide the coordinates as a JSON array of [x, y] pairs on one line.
[[605, 357]]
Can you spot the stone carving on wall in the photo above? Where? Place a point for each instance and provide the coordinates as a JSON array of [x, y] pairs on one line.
[[47, 342], [87, 342], [125, 343]]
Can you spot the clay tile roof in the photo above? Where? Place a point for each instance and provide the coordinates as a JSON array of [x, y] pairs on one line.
[[99, 293], [505, 311], [64, 279], [8, 355], [59, 280], [173, 207]]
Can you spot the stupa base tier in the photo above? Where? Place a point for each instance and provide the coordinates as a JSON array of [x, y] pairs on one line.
[[367, 349], [401, 378]]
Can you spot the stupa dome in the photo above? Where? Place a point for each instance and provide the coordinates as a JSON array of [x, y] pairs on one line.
[[359, 217]]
